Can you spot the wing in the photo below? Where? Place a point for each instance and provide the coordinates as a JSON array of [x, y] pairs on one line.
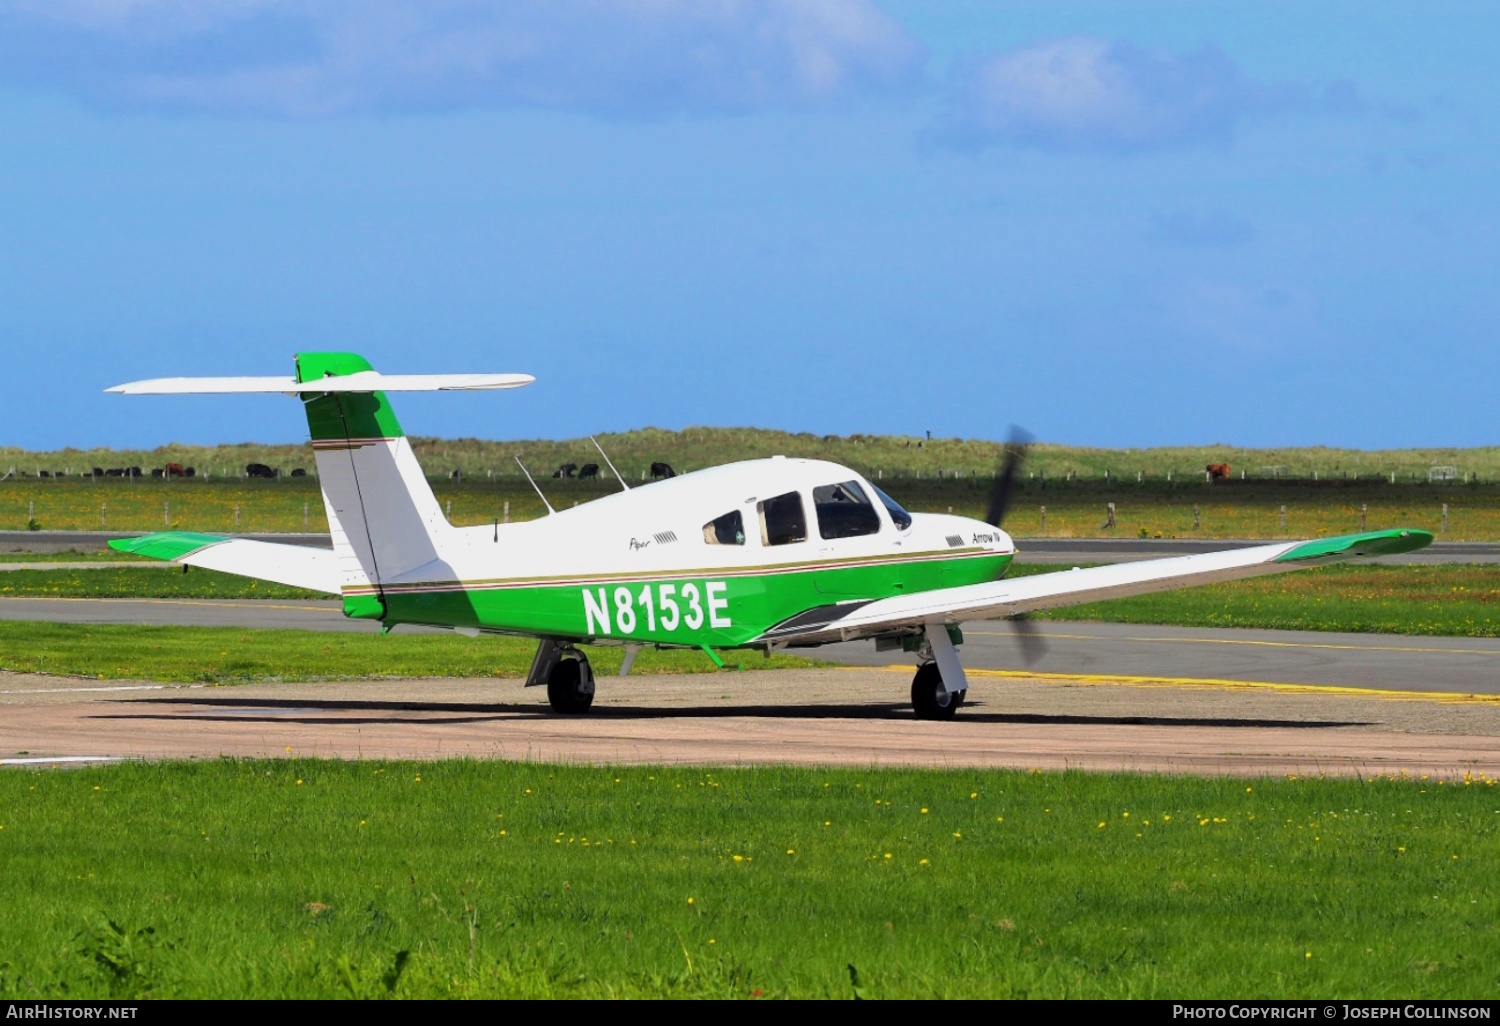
[[996, 599], [363, 381], [295, 565]]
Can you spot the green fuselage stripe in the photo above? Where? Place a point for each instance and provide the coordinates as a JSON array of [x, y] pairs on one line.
[[724, 609]]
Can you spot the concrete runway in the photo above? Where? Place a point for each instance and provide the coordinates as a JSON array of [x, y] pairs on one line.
[[843, 717], [1075, 651]]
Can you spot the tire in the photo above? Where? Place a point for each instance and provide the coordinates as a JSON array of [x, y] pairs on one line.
[[570, 688], [926, 687]]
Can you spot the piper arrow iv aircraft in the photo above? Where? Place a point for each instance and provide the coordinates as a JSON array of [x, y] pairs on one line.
[[766, 554]]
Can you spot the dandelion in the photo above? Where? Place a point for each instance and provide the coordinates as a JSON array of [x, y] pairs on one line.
[[791, 851], [974, 795], [957, 834], [999, 819], [924, 812], [739, 858], [299, 784], [922, 863], [690, 901]]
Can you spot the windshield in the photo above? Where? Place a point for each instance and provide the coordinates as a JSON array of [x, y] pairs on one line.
[[899, 516]]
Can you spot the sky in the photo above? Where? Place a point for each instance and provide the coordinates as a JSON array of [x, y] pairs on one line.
[[1260, 223]]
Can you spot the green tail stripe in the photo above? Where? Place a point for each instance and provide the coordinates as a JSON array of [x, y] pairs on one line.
[[1374, 543], [166, 544], [348, 414]]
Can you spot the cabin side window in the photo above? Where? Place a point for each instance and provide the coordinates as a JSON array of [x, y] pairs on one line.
[[726, 530], [782, 520], [844, 511]]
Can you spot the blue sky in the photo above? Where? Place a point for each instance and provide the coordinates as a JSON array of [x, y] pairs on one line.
[[1261, 223]]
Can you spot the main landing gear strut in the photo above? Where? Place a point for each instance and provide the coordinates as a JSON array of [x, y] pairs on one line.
[[939, 687], [567, 674]]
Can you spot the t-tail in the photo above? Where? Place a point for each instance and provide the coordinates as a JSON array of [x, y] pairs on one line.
[[386, 524]]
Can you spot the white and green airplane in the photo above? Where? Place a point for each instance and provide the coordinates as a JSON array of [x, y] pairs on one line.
[[766, 554]]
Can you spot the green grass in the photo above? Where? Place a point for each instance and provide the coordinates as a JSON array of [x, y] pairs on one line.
[[492, 879], [160, 581], [1452, 601], [238, 656]]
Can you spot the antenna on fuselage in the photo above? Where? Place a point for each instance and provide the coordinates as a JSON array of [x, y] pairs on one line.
[[607, 460], [539, 494]]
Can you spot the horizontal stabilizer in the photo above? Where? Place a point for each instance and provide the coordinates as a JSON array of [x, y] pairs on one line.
[[296, 565], [363, 381]]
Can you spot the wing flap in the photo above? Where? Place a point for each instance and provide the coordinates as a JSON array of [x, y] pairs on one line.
[[1002, 598], [295, 565]]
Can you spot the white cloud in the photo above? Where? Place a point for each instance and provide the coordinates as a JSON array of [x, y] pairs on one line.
[[308, 58], [1087, 94]]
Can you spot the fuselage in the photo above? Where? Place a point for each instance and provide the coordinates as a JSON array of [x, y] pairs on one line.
[[715, 557]]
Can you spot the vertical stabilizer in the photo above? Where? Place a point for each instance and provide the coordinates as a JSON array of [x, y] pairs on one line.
[[383, 516]]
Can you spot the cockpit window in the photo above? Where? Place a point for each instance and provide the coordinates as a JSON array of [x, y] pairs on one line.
[[844, 511], [726, 530], [782, 520], [899, 516]]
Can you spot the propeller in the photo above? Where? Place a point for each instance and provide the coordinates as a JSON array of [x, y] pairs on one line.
[[1005, 477], [1030, 641]]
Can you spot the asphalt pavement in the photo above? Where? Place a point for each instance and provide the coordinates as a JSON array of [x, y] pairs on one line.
[[1120, 652]]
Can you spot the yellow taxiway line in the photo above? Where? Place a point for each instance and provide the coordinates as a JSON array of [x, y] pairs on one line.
[[1452, 697], [1264, 644]]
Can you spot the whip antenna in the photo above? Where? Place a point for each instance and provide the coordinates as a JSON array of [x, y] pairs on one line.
[[539, 494], [607, 460]]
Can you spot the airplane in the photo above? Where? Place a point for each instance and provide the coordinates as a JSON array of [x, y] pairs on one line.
[[765, 554]]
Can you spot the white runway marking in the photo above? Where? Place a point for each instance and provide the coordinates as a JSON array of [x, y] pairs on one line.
[[121, 687], [60, 758]]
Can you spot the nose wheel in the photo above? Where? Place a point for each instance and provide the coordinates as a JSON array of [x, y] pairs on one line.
[[930, 699], [570, 686]]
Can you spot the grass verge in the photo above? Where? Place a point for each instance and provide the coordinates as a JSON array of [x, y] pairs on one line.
[[1447, 601], [162, 581], [230, 655], [326, 879]]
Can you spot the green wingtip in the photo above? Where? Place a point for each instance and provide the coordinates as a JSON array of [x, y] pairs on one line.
[[165, 544], [1349, 546]]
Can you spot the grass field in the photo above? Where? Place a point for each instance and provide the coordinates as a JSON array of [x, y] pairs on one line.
[[493, 879], [698, 447], [1073, 509], [1457, 601], [225, 655], [1453, 601]]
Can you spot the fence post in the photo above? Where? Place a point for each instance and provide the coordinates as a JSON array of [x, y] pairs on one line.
[[1109, 513], [1444, 528], [1197, 521], [1363, 509], [236, 516], [507, 511], [304, 514], [30, 511], [449, 512], [103, 515], [166, 515], [1044, 518], [1283, 516]]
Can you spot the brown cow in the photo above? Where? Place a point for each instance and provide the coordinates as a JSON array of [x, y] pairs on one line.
[[1218, 471]]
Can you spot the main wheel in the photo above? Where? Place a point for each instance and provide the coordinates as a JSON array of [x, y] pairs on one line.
[[570, 688], [928, 696]]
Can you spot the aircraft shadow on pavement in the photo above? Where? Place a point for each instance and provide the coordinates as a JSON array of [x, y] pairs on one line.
[[327, 711]]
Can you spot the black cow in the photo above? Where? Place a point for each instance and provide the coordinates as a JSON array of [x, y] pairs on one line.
[[587, 471], [259, 470], [566, 470], [115, 472], [190, 472], [157, 472], [662, 470], [98, 471], [299, 472], [133, 471], [457, 475]]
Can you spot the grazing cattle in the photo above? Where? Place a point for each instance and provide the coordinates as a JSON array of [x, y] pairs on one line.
[[98, 471], [299, 472], [133, 472], [662, 470], [190, 472], [457, 475], [115, 472], [566, 470], [1218, 471], [259, 470], [157, 472], [587, 471], [175, 470]]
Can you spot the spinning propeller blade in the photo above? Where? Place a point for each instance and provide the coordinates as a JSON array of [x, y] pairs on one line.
[[1005, 477]]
